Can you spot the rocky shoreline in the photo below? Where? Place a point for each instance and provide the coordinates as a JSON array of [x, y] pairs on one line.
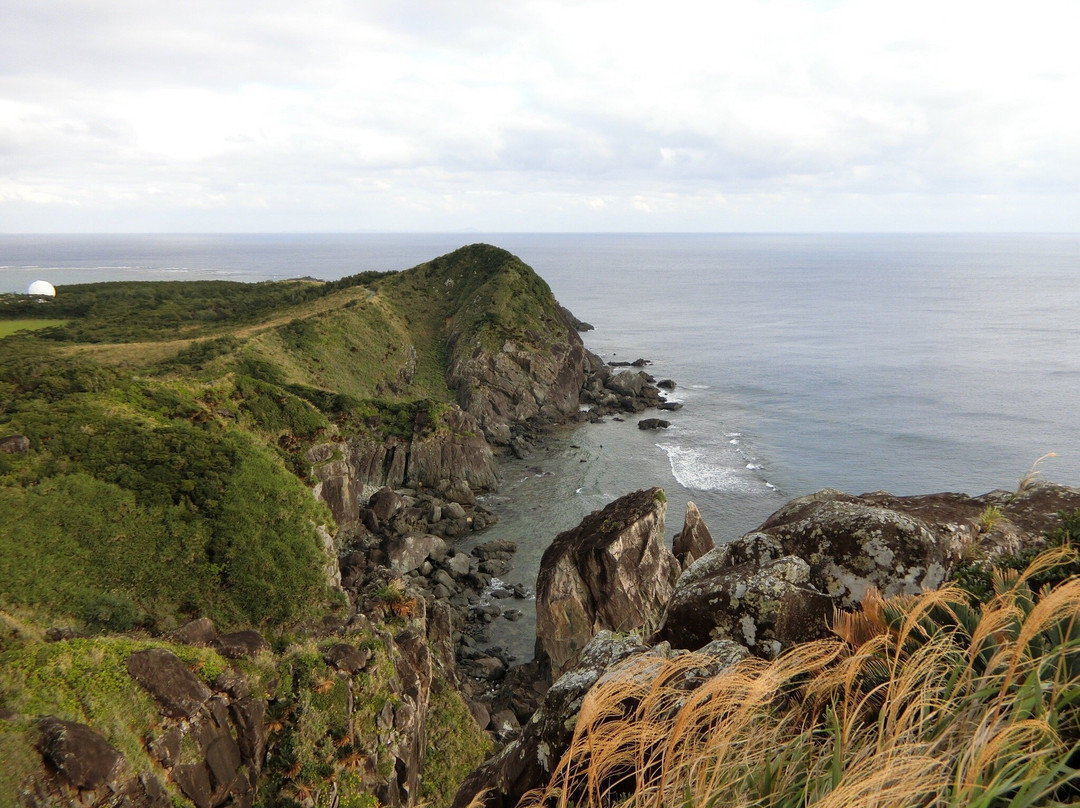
[[403, 535]]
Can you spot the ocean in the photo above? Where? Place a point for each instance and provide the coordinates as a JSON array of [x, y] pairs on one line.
[[906, 363]]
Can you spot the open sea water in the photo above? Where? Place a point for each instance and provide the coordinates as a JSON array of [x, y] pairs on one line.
[[906, 363]]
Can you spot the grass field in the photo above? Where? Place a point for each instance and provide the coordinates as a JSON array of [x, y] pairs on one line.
[[9, 327]]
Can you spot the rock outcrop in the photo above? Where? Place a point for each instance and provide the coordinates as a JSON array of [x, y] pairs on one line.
[[452, 451], [626, 391], [612, 571], [776, 587], [513, 355], [694, 540], [749, 593]]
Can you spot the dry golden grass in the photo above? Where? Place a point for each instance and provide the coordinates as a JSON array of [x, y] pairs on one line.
[[918, 701]]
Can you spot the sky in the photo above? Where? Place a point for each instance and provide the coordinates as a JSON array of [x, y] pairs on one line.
[[539, 116]]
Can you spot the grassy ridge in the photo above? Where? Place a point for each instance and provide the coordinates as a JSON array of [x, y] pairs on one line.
[[167, 424]]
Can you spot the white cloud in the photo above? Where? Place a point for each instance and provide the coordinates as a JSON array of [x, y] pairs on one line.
[[763, 114]]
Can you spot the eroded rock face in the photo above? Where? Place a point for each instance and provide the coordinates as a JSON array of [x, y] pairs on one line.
[[694, 540], [349, 473], [516, 382], [612, 571]]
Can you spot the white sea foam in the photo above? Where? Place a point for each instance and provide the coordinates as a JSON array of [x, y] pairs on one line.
[[693, 469]]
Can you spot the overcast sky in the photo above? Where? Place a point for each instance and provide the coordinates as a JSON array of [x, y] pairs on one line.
[[538, 115]]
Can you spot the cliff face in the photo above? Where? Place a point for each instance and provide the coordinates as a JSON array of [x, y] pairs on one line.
[[453, 450]]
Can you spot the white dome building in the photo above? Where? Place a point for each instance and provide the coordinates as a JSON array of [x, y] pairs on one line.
[[41, 289]]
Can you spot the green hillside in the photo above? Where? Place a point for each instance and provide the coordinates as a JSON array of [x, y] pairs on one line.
[[167, 423]]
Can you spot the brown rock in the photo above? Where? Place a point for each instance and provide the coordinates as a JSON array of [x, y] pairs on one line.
[[79, 755], [241, 644], [694, 540], [406, 553], [249, 718], [196, 632], [347, 658], [385, 504], [612, 571], [15, 444], [165, 749], [194, 781], [165, 677]]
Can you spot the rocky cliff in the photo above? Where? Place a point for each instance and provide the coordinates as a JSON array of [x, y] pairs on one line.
[[610, 572], [450, 452]]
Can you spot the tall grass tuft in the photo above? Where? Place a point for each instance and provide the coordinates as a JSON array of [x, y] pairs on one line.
[[916, 701]]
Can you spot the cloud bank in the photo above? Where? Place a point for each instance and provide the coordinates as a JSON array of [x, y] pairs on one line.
[[123, 115]]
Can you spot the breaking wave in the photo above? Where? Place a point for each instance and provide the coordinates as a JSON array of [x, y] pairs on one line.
[[693, 469]]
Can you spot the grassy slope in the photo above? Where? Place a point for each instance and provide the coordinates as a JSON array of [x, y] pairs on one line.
[[9, 327], [166, 424], [153, 455]]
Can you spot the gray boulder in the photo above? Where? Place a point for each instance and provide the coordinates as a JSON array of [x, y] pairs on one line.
[[766, 605]]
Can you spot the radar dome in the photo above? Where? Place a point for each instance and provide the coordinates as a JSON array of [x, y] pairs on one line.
[[42, 289]]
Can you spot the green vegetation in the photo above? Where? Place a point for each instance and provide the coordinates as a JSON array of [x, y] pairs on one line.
[[977, 577], [84, 680], [9, 327], [324, 727], [167, 424], [918, 701], [455, 745], [166, 480]]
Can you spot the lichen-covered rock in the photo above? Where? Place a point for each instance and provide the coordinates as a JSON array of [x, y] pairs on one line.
[[694, 540], [852, 545], [612, 571], [765, 604]]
